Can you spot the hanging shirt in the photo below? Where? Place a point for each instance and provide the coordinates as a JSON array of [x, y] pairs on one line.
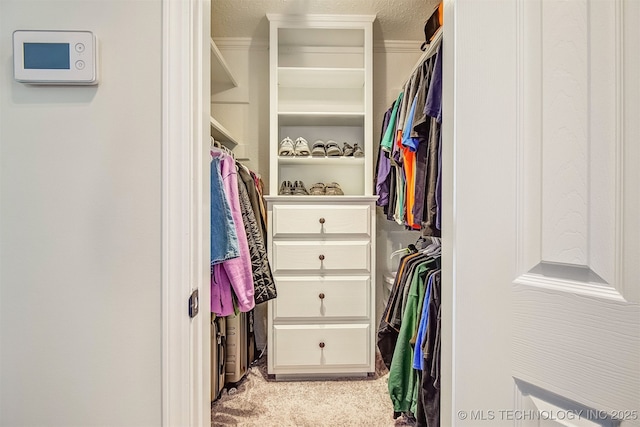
[[433, 106], [402, 377], [418, 361], [236, 273], [383, 166], [224, 239], [389, 136], [410, 168]]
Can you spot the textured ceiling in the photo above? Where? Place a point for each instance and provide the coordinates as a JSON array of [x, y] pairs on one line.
[[396, 19]]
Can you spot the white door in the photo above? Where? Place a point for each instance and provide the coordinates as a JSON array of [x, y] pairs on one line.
[[542, 208]]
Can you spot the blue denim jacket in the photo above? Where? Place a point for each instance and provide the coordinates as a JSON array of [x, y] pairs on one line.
[[224, 238]]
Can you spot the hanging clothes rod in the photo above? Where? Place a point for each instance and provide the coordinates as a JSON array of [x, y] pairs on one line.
[[431, 49], [218, 145]]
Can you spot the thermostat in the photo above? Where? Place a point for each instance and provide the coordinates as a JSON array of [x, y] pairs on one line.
[[55, 57]]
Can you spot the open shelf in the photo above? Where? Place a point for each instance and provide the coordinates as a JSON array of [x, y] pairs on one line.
[[302, 118], [311, 77], [221, 134], [220, 71], [324, 161]]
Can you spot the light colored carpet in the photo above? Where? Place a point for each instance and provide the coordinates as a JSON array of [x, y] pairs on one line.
[[349, 402]]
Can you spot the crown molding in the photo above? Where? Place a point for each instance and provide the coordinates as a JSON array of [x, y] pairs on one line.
[[241, 43], [397, 46]]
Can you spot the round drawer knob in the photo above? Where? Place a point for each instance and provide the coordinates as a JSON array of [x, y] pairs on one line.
[[321, 257], [321, 220], [321, 296], [321, 345]]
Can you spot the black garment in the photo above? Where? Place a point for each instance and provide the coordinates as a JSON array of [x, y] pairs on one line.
[[387, 334], [428, 411], [252, 192], [391, 179], [391, 320], [263, 282], [430, 206]]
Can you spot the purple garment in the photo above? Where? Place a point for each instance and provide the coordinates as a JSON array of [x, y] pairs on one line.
[[237, 272], [384, 166], [433, 106], [221, 296]]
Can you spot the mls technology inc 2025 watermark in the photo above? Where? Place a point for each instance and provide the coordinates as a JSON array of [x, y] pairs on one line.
[[552, 415]]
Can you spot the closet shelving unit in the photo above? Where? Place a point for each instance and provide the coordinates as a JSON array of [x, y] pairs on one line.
[[321, 248], [221, 75]]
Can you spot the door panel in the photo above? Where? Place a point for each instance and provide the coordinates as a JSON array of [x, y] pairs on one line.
[[549, 146], [576, 331]]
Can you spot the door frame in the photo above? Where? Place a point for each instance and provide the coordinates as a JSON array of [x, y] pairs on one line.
[[185, 351], [186, 379]]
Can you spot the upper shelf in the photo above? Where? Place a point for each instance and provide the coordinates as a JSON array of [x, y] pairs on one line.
[[221, 134], [321, 77], [314, 118], [220, 71]]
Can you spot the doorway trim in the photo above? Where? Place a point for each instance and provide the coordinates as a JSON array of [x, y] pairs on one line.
[[186, 106], [185, 351]]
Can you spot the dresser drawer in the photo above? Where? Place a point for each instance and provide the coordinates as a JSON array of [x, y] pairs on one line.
[[321, 219], [330, 297], [321, 255], [321, 345]]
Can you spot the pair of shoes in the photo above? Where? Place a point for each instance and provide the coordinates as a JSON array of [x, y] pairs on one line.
[[317, 189], [289, 148], [318, 149], [286, 147], [352, 150], [295, 189], [322, 149], [320, 189], [301, 148], [299, 189], [286, 188]]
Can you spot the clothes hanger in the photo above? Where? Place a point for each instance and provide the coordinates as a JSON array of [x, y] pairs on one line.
[[433, 24], [434, 249], [218, 145], [400, 252]]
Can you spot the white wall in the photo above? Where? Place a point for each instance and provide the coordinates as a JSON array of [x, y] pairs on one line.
[[80, 229]]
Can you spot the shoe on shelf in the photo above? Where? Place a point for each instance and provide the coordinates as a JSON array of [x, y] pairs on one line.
[[317, 189], [347, 149], [357, 150], [286, 147], [318, 149], [286, 189], [301, 147], [333, 149], [333, 189], [299, 189]]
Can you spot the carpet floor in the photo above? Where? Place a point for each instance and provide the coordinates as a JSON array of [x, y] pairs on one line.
[[348, 402]]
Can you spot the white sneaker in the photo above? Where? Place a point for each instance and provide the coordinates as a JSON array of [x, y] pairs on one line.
[[301, 148], [286, 147]]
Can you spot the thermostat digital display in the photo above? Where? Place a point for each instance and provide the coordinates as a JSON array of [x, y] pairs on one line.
[[55, 57]]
